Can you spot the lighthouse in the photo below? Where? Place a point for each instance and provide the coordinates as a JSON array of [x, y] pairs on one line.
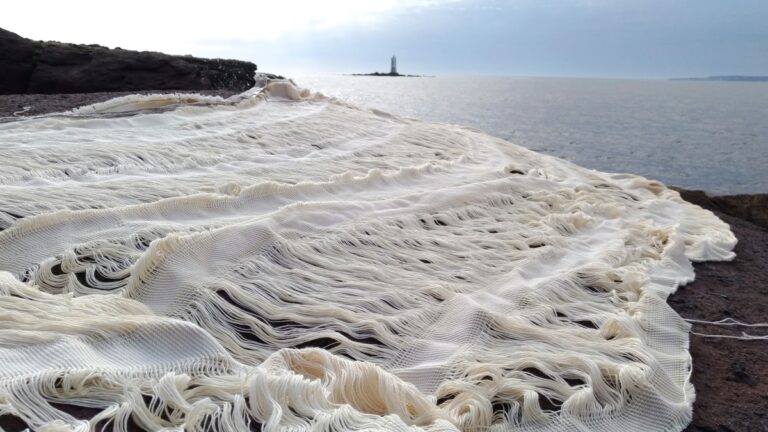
[[393, 68]]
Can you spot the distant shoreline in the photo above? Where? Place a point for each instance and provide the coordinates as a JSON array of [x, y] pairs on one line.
[[735, 78]]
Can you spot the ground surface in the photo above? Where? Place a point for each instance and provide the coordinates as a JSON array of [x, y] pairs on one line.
[[730, 376], [44, 103]]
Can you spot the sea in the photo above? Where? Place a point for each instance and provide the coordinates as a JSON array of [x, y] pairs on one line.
[[693, 134]]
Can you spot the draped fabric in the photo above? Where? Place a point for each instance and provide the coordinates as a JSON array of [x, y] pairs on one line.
[[281, 260]]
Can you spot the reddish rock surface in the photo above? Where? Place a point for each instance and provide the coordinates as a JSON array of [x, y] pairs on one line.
[[730, 376]]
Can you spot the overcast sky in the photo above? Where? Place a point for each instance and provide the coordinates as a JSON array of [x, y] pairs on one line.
[[600, 38]]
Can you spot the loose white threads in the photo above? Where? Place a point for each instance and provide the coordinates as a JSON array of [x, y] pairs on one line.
[[728, 322]]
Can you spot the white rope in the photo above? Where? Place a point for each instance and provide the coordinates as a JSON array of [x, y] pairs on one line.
[[726, 322], [22, 111], [744, 336]]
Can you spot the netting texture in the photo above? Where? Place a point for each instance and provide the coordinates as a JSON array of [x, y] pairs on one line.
[[285, 261]]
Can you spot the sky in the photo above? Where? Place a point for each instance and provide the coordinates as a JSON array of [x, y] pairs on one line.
[[579, 38]]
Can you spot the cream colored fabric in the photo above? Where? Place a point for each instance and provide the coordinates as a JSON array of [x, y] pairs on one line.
[[291, 261]]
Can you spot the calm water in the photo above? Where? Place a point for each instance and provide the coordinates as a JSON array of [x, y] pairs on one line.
[[704, 135]]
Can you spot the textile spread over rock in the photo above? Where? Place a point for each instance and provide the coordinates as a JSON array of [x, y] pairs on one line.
[[287, 260]]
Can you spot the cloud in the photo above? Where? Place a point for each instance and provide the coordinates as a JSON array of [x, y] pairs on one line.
[[180, 27]]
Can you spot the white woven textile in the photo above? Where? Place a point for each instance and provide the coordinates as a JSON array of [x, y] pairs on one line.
[[284, 261]]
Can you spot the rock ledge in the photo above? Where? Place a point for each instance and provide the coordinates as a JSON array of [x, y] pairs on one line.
[[28, 67]]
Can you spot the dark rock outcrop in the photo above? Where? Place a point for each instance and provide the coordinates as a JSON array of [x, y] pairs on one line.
[[28, 66], [729, 375], [753, 208], [17, 61]]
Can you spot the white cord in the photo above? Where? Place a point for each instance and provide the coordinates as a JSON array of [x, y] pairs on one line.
[[729, 322], [726, 322], [744, 336], [25, 109]]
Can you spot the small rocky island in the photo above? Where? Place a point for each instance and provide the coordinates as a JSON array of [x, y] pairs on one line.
[[392, 72]]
